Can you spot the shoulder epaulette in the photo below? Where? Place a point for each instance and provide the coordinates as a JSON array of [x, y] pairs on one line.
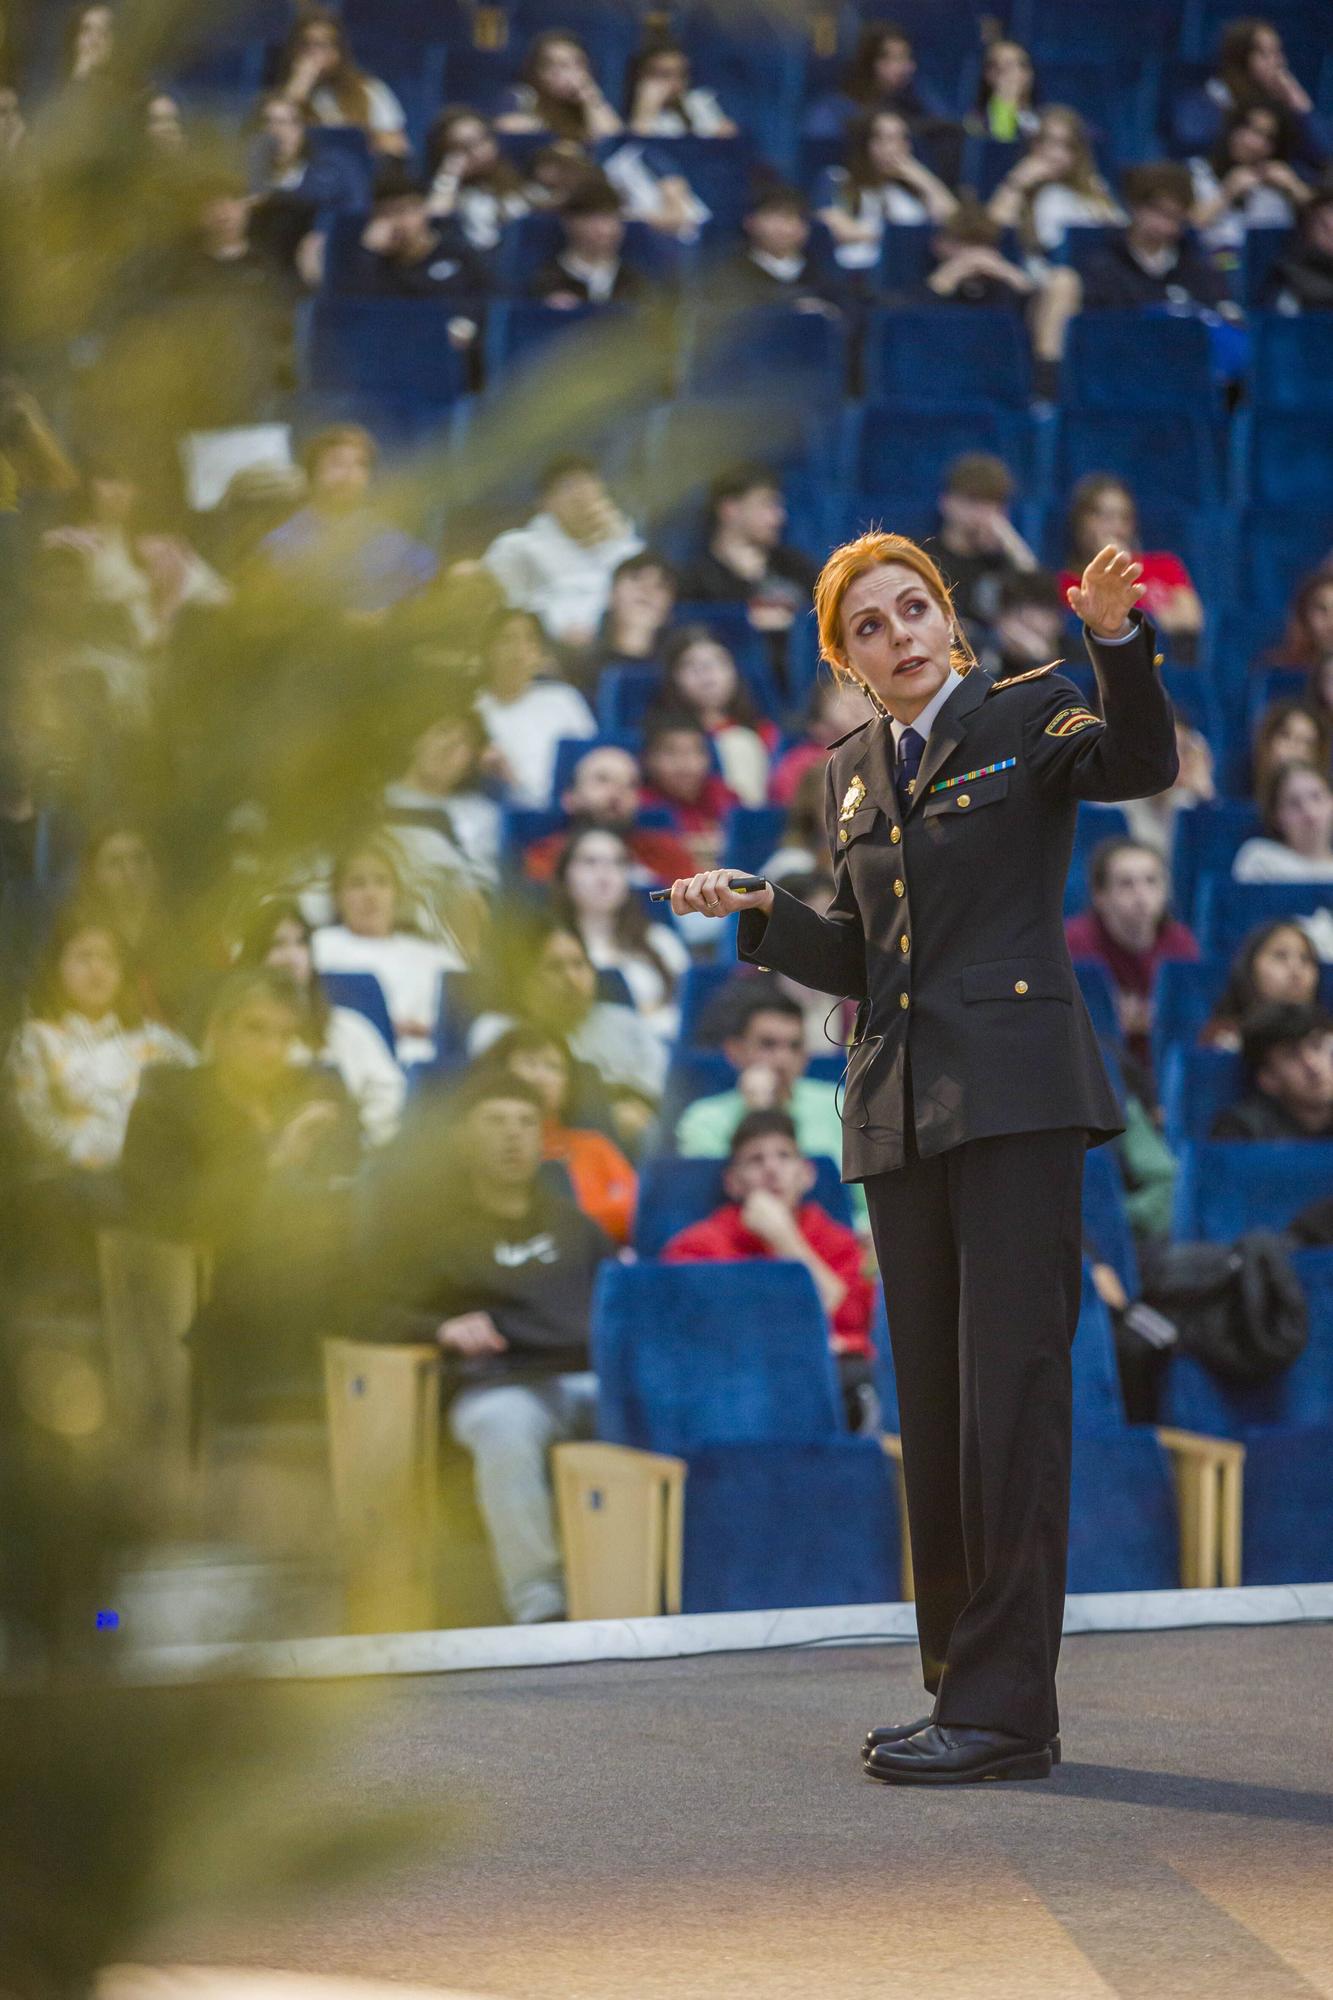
[[1032, 674], [853, 732]]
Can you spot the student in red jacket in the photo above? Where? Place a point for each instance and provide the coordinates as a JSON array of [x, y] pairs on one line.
[[768, 1180], [1130, 929]]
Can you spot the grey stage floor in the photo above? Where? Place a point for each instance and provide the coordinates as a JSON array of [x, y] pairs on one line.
[[700, 1829]]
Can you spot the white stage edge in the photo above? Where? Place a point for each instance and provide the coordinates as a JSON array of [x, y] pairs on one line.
[[360, 1655]]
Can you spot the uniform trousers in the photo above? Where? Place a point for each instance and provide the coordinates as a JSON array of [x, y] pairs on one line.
[[980, 1249]]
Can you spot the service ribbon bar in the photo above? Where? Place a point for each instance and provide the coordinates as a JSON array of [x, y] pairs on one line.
[[970, 777]]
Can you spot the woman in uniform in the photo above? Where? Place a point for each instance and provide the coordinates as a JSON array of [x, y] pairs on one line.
[[974, 1085]]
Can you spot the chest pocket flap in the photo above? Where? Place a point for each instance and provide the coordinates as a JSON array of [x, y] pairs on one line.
[[969, 797], [856, 824]]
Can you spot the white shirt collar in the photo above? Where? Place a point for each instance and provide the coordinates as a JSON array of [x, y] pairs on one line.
[[925, 722]]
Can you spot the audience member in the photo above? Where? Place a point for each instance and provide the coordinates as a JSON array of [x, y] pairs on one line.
[[1308, 639], [548, 981], [803, 846], [603, 793], [1296, 805], [1288, 1057], [1101, 511], [1153, 821], [348, 553], [1277, 966], [338, 1038], [1152, 263], [373, 935], [701, 680], [442, 818], [318, 73], [605, 1185], [1006, 102], [777, 267], [1252, 68], [1288, 732], [414, 254], [643, 597], [595, 897], [164, 126], [120, 876], [138, 580], [250, 1156], [833, 709], [559, 94], [89, 44], [1028, 627], [769, 1213], [560, 564], [499, 1271], [1130, 930], [527, 713], [589, 270], [746, 560], [1245, 182], [470, 180], [970, 269], [1055, 187], [665, 104], [881, 185], [680, 780], [767, 1050], [293, 190], [1301, 280], [980, 549], [881, 76]]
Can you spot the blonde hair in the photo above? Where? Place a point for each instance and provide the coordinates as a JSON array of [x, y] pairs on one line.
[[852, 560]]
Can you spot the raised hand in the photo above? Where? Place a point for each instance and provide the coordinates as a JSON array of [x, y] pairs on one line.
[[1108, 593]]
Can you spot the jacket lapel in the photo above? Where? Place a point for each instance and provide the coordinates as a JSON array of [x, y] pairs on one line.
[[951, 726], [877, 768]]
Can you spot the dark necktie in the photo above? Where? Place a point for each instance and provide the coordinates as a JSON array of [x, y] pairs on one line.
[[911, 744]]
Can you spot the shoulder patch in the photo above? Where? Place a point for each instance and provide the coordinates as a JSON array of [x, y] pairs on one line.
[[1069, 721], [1032, 674], [853, 732]]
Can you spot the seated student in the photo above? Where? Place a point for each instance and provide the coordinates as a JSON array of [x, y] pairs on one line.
[[1288, 732], [605, 1185], [594, 896], [768, 1213], [292, 190], [251, 1156], [980, 549], [559, 94], [665, 104], [802, 847], [589, 269], [833, 709], [1288, 1056], [317, 72], [469, 179], [541, 976], [1301, 281], [1130, 930], [1245, 181], [441, 818], [1006, 100], [74, 1067], [679, 779], [373, 934], [1276, 966], [344, 546], [746, 560], [526, 711], [1296, 805], [1055, 187], [882, 76], [412, 254], [560, 563], [881, 185], [970, 268], [1153, 821], [1028, 629], [700, 679], [638, 612], [777, 268], [1153, 263], [338, 1038], [1307, 641], [767, 1049], [1251, 68], [499, 1271], [604, 794], [1102, 509]]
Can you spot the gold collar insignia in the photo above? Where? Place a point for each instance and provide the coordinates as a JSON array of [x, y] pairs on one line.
[[852, 798]]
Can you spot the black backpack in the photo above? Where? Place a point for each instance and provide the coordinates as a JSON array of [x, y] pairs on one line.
[[1237, 1307]]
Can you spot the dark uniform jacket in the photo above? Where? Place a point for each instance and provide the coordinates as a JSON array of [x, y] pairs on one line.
[[946, 922]]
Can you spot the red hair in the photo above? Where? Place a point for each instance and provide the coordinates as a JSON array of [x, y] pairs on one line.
[[853, 559]]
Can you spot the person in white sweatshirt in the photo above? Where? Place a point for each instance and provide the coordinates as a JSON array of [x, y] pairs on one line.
[[560, 563]]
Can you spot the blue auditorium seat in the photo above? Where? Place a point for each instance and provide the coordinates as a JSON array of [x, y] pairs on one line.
[[1185, 993], [698, 989], [987, 161], [906, 259], [396, 346], [1195, 1085], [1280, 458], [1230, 1185], [1278, 547], [1293, 363], [533, 240], [1204, 842], [1099, 998], [901, 451], [519, 329], [707, 434], [1107, 1235], [751, 834], [1115, 100], [1136, 361], [624, 696], [362, 992], [1110, 31], [940, 357], [1095, 823], [1228, 911], [1260, 251], [1175, 450], [675, 1193], [796, 353]]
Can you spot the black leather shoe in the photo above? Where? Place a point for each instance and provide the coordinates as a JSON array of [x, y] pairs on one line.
[[894, 1732], [946, 1754]]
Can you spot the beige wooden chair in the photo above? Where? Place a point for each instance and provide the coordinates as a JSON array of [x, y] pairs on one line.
[[383, 1408], [151, 1291], [621, 1515], [1209, 1474]]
